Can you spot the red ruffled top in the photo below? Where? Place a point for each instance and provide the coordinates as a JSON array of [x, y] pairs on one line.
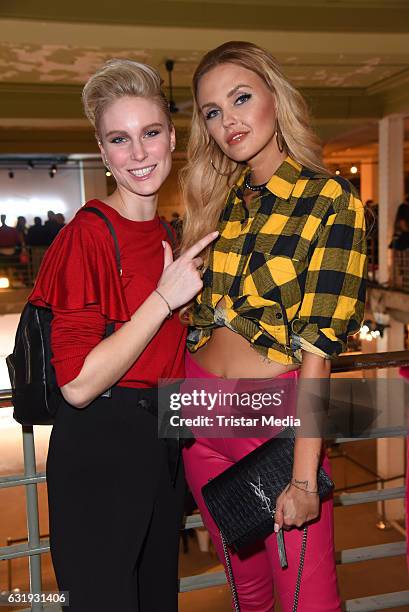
[[80, 282]]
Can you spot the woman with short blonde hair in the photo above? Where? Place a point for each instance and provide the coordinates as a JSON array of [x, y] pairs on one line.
[[113, 288]]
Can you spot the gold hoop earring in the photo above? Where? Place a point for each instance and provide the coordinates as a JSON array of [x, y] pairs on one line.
[[279, 138], [224, 173]]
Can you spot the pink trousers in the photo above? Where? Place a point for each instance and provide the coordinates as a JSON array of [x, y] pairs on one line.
[[258, 573]]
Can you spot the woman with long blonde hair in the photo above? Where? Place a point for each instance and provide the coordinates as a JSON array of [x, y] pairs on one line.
[[283, 287]]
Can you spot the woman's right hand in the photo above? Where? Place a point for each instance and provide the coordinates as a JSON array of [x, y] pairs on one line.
[[181, 280]]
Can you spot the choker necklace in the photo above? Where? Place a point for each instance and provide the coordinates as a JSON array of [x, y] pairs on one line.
[[253, 187]]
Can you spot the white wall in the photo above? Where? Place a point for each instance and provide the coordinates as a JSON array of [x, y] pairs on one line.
[[32, 193]]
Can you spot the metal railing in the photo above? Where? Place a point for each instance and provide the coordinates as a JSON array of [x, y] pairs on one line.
[[36, 546], [12, 542], [21, 268]]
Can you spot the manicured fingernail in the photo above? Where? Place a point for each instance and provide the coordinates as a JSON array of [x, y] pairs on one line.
[[276, 527], [163, 243]]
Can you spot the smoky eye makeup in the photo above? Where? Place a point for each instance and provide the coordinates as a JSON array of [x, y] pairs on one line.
[[211, 113], [152, 132], [117, 139], [115, 136], [242, 98]]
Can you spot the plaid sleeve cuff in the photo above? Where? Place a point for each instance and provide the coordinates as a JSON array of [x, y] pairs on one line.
[[298, 342], [324, 341]]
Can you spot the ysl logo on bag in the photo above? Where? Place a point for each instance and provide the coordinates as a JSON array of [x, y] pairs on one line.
[[266, 501]]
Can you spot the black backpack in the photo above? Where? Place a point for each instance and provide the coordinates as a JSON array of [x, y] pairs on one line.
[[35, 393]]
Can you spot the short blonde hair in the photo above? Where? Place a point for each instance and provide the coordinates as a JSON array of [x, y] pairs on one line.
[[116, 79]]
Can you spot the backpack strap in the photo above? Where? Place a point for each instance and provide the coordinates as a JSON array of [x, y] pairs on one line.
[[108, 223], [100, 214], [110, 327], [170, 234]]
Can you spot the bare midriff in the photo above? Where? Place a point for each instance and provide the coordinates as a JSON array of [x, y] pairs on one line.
[[228, 355]]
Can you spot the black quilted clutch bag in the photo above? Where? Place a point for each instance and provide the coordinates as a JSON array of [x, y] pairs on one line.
[[242, 499]]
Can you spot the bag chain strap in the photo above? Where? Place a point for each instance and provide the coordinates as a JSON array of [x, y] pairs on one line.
[[300, 569], [230, 576], [233, 587]]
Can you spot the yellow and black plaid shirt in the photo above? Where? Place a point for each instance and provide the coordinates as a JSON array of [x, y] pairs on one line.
[[291, 267]]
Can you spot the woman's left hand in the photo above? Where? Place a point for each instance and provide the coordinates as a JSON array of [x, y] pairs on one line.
[[295, 507]]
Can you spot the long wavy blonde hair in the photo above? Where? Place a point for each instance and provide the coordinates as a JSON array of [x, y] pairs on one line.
[[204, 190]]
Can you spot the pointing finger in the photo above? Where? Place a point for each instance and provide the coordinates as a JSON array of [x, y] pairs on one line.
[[197, 248], [167, 254]]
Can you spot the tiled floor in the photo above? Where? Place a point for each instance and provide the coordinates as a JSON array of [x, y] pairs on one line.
[[355, 526]]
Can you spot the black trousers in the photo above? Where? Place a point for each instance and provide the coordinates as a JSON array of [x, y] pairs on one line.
[[110, 492]]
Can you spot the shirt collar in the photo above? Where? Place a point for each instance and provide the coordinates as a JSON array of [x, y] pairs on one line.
[[282, 182]]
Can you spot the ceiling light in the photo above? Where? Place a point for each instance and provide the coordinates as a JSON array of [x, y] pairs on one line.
[[353, 169], [337, 172], [4, 282]]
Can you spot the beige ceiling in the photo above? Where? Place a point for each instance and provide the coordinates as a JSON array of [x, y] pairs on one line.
[[349, 58], [68, 64], [278, 15]]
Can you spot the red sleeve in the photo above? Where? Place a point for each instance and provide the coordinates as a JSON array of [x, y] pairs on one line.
[[404, 371], [79, 269], [80, 282], [74, 333]]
